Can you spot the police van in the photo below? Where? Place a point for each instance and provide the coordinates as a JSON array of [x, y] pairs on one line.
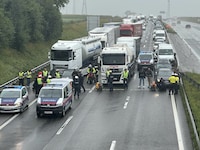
[[55, 97]]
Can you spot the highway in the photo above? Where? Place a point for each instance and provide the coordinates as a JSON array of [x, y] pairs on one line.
[[129, 119]]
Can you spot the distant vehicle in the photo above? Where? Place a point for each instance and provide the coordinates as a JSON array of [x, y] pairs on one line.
[[14, 99], [55, 97], [163, 63], [67, 73], [163, 73], [178, 22], [145, 60], [187, 26], [157, 42]]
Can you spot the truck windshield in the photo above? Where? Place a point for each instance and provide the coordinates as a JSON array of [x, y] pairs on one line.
[[125, 33], [113, 59], [165, 52], [61, 55]]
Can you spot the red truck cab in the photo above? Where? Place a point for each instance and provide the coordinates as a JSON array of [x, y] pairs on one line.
[[134, 30]]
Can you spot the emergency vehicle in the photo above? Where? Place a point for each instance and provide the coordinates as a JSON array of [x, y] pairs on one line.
[[14, 99], [55, 97]]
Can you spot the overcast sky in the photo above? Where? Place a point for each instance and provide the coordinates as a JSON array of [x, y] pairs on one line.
[[119, 7]]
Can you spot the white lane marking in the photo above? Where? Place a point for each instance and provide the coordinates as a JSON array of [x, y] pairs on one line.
[[64, 125], [177, 124], [8, 121], [126, 102], [113, 144], [92, 89], [13, 117], [144, 46]]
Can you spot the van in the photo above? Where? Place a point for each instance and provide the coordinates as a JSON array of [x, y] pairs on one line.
[[165, 51], [159, 34], [55, 97]]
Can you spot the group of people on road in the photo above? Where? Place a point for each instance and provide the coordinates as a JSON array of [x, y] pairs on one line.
[[143, 74]]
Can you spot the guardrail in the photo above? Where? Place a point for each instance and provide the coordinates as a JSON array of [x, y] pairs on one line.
[[13, 81], [194, 83]]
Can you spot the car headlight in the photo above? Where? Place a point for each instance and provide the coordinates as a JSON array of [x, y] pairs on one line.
[[18, 104], [39, 101], [59, 104], [158, 80]]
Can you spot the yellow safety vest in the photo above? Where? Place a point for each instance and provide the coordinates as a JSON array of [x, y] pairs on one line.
[[172, 79], [21, 75], [48, 80], [125, 74], [45, 73], [39, 81], [29, 74], [57, 75]]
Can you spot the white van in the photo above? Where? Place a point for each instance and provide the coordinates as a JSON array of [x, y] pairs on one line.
[[55, 97], [165, 51], [159, 34]]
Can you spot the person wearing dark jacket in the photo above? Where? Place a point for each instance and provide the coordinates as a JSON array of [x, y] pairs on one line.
[[110, 81], [76, 84], [141, 77], [81, 81]]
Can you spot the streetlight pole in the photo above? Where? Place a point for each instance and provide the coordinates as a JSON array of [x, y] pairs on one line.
[[168, 8]]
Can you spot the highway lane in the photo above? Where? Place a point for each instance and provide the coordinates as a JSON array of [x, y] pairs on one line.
[[122, 119]]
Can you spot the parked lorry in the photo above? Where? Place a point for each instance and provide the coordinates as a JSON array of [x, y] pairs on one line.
[[74, 54], [133, 29], [117, 58], [107, 35], [132, 42]]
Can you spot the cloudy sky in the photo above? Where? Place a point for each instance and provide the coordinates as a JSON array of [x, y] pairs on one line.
[[146, 7]]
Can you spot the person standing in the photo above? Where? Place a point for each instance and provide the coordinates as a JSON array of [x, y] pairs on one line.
[[110, 81], [141, 77], [28, 77], [125, 77], [45, 75], [76, 86], [81, 80], [57, 74], [21, 78], [172, 81], [149, 75], [176, 84], [38, 84]]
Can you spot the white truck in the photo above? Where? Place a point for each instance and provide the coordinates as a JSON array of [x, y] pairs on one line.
[[117, 58], [132, 42], [74, 54], [107, 35]]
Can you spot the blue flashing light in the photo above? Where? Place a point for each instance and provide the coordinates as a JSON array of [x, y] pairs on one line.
[[14, 86]]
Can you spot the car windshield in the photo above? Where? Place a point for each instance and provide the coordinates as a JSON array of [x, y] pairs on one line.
[[56, 93], [10, 94], [164, 74]]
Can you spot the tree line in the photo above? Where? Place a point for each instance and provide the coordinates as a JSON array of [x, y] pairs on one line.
[[23, 21]]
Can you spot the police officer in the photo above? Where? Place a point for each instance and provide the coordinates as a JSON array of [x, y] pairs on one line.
[[81, 80], [57, 74], [45, 75], [90, 74], [28, 77], [21, 78], [38, 84], [176, 84], [125, 77], [172, 81], [76, 86]]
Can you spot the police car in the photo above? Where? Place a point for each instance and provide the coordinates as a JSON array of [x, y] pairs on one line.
[[146, 59], [14, 99], [55, 97]]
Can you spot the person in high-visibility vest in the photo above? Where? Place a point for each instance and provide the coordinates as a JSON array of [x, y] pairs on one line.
[[125, 77], [45, 75], [21, 78], [172, 81], [28, 77], [57, 74]]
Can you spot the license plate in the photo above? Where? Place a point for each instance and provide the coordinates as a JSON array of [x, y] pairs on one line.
[[48, 112], [115, 79]]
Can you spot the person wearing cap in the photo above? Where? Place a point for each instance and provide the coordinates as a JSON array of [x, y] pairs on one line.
[[110, 81], [149, 75], [49, 78], [28, 77], [125, 77], [76, 83], [37, 85], [81, 80], [176, 84], [45, 75], [90, 74], [172, 81]]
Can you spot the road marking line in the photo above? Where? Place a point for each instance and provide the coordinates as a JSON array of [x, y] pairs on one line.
[[113, 144], [92, 89], [177, 124], [8, 121], [126, 102], [64, 125]]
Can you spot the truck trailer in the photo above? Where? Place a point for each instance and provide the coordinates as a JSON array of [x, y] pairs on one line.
[[74, 54], [133, 29], [117, 58]]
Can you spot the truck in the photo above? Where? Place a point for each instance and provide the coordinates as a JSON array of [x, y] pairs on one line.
[[78, 53], [133, 29], [106, 34], [132, 42], [117, 58]]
